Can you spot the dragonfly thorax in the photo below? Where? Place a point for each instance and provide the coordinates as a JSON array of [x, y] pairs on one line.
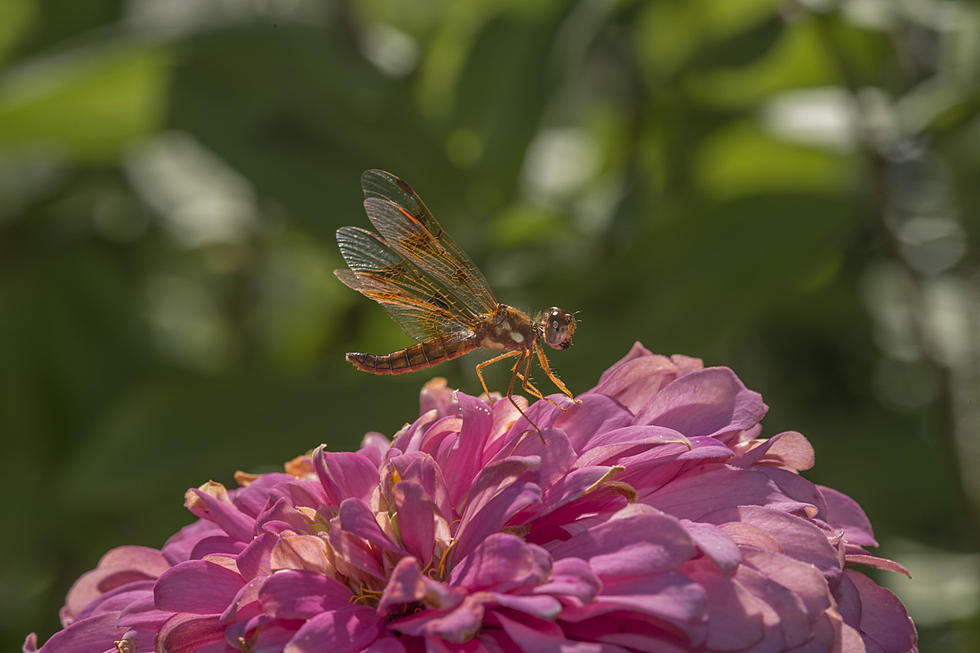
[[508, 328]]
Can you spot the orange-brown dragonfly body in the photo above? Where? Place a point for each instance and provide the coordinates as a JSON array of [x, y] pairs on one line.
[[432, 289]]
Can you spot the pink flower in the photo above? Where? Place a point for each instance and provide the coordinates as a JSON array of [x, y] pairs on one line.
[[651, 518]]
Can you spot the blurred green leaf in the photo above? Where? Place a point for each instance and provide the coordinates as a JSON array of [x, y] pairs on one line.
[[742, 159], [89, 104], [16, 17]]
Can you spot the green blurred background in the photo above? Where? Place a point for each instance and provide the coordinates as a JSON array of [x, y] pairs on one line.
[[789, 188]]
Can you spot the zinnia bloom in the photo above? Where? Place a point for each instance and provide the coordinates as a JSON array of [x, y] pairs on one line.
[[648, 517]]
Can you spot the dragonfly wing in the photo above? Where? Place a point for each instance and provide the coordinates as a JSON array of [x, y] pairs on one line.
[[437, 254], [462, 282], [418, 305]]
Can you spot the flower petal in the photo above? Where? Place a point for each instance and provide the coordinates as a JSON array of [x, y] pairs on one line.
[[715, 544], [491, 518], [407, 585], [571, 578], [344, 474], [711, 402], [698, 493], [844, 512], [416, 520], [253, 498], [225, 515], [307, 552], [188, 633], [501, 562], [356, 517], [639, 376], [465, 460], [636, 541], [198, 587], [86, 636], [300, 594], [881, 620], [596, 414], [347, 630], [457, 625], [254, 560]]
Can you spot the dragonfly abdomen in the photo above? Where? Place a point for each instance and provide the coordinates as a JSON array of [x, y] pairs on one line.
[[417, 357]]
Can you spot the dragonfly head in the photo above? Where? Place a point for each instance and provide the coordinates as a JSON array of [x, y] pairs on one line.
[[558, 326]]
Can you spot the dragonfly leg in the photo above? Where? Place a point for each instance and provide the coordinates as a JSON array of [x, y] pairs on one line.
[[510, 393], [551, 375], [528, 386], [479, 369]]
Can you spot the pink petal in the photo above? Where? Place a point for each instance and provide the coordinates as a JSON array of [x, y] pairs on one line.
[[571, 577], [198, 587], [271, 637], [465, 460], [422, 468], [407, 585], [221, 545], [302, 594], [93, 584], [416, 520], [119, 599], [307, 552], [796, 487], [800, 577], [710, 402], [355, 551], [610, 448], [844, 512], [610, 632], [698, 493], [715, 544], [596, 414], [178, 547], [436, 395], [556, 455], [536, 635], [245, 604], [734, 618], [457, 625], [254, 560], [670, 596], [797, 537], [877, 563], [347, 630], [253, 498], [542, 607], [638, 540], [386, 644], [788, 449], [95, 634], [883, 620], [655, 467], [637, 377], [147, 560], [226, 516], [344, 474], [494, 516], [501, 562], [280, 515], [374, 447], [193, 634], [788, 611], [356, 517], [494, 499]]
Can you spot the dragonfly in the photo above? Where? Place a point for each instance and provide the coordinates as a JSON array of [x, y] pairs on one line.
[[434, 292]]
